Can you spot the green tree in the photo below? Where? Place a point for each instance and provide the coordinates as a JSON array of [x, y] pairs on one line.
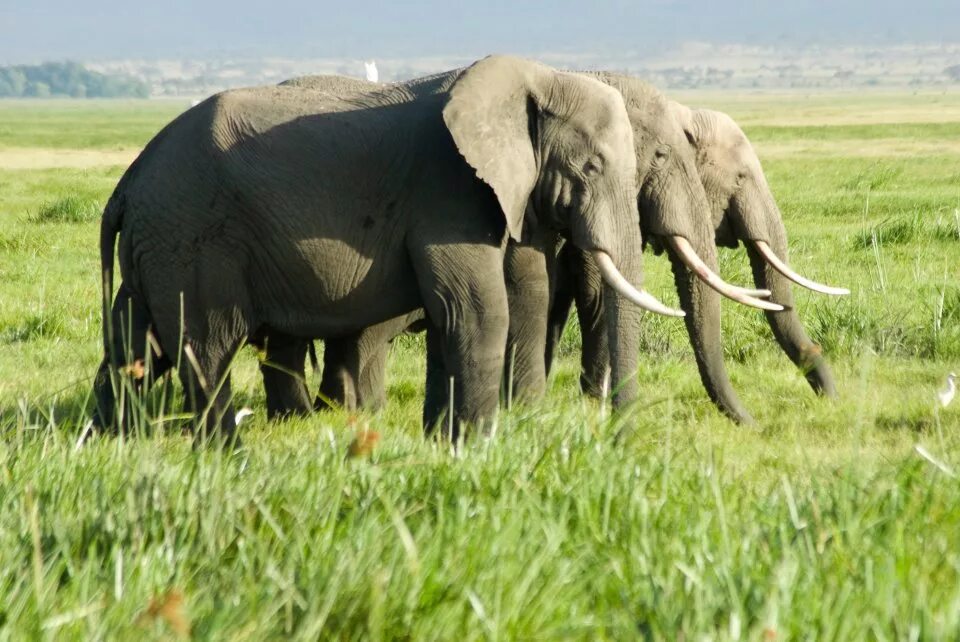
[[66, 79]]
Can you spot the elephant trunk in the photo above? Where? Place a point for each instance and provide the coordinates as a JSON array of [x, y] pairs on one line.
[[702, 305], [623, 333], [786, 326]]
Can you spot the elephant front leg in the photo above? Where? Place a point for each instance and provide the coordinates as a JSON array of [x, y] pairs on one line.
[[528, 298], [595, 351], [436, 389], [463, 291]]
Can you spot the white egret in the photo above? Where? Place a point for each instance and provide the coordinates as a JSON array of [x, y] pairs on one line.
[[946, 395], [242, 414]]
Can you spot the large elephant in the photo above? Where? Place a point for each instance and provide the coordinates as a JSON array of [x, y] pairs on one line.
[[675, 210], [266, 211], [743, 210]]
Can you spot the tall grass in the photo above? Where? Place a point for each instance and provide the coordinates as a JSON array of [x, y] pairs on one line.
[[70, 209], [829, 519]]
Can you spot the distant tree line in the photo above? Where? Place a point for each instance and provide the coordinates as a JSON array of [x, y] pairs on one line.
[[69, 79]]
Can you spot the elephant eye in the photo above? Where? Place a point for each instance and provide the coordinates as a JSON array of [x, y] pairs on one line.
[[661, 154], [591, 169]]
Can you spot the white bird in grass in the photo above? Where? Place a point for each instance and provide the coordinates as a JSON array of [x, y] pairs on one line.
[[372, 74], [242, 414], [946, 395]]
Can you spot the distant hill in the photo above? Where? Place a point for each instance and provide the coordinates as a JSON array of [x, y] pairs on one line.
[[67, 79]]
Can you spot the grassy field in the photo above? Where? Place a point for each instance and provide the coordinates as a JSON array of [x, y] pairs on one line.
[[827, 520]]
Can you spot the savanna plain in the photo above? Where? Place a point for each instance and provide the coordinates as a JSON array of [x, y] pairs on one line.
[[831, 520]]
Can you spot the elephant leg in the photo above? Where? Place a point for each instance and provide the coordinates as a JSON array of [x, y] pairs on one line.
[[284, 379], [216, 321], [129, 365], [437, 388], [561, 301], [372, 385], [528, 299], [341, 370], [207, 394], [595, 350], [354, 367], [462, 286]]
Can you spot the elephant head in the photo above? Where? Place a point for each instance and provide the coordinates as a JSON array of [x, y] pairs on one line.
[[674, 214], [556, 148], [742, 209]]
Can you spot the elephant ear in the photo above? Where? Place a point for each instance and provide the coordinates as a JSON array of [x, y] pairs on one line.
[[688, 122], [491, 113]]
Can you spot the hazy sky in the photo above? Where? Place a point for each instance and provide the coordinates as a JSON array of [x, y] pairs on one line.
[[34, 30]]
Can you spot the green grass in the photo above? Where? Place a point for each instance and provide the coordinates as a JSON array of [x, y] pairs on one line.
[[822, 521], [70, 209], [83, 124], [910, 131]]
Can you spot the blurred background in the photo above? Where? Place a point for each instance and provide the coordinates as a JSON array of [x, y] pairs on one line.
[[186, 48]]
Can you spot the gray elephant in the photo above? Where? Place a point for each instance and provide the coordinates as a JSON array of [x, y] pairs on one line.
[[265, 211], [743, 210], [675, 211]]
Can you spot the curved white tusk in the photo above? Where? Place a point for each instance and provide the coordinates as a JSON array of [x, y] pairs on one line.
[[693, 261], [642, 298], [767, 253], [690, 258]]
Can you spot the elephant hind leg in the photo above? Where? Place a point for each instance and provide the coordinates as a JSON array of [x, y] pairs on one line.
[[375, 343], [217, 320], [130, 364], [372, 385], [205, 375], [208, 394], [341, 370], [284, 379]]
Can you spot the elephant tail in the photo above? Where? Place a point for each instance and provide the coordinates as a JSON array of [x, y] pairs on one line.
[[110, 224]]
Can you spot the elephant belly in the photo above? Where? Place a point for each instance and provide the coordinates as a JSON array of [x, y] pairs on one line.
[[333, 288]]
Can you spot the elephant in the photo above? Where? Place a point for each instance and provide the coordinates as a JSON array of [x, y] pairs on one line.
[[675, 210], [743, 210], [270, 211]]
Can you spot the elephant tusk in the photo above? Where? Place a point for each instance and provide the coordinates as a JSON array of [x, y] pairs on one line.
[[767, 253], [741, 295], [616, 280]]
